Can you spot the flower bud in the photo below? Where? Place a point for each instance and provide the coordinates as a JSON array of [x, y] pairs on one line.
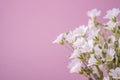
[[106, 46], [62, 42], [114, 19], [113, 30], [81, 72], [80, 56], [104, 53], [116, 44]]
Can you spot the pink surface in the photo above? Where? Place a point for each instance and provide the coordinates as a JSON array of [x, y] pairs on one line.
[[27, 29]]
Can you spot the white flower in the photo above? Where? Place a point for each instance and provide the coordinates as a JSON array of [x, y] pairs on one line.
[[110, 54], [98, 51], [59, 39], [75, 66], [110, 25], [92, 33], [75, 53], [112, 13], [94, 45], [115, 73], [94, 13], [80, 31], [88, 46], [92, 29], [79, 42], [106, 78], [92, 60], [69, 37]]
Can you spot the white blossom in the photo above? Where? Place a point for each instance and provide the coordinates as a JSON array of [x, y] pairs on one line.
[[98, 51], [75, 66], [88, 46], [115, 73], [110, 54], [112, 13], [69, 37], [94, 13], [92, 60], [79, 42], [110, 25], [59, 39], [106, 78], [75, 53], [80, 31], [92, 33]]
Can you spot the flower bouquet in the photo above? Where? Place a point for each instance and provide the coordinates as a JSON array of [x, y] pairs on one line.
[[95, 47]]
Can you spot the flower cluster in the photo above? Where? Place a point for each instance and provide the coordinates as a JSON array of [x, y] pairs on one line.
[[95, 47]]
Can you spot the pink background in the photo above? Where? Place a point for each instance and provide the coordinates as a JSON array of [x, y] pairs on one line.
[[27, 29]]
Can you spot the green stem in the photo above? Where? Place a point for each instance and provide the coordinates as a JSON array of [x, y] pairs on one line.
[[100, 72]]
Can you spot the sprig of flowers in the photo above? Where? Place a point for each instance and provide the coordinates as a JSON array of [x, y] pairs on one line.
[[95, 47]]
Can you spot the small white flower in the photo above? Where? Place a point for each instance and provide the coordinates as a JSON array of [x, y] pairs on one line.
[[112, 13], [79, 42], [115, 73], [106, 78], [98, 51], [92, 60], [59, 39], [110, 25], [110, 54], [94, 13], [80, 31], [92, 33], [75, 53], [88, 46], [92, 30], [75, 66], [69, 37]]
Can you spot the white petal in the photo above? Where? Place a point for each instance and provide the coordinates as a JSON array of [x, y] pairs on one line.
[[59, 38], [112, 13], [115, 73], [75, 53], [79, 42], [94, 13], [75, 66], [92, 60]]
